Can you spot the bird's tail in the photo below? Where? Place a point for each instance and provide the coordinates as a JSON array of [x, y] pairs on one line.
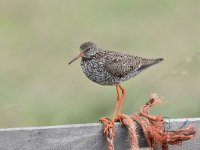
[[157, 60], [149, 62]]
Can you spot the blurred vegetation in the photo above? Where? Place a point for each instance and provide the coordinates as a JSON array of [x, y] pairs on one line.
[[38, 38]]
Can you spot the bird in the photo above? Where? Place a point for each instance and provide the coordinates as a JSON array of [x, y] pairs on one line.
[[111, 68]]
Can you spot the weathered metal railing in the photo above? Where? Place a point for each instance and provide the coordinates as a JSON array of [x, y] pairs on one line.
[[84, 137]]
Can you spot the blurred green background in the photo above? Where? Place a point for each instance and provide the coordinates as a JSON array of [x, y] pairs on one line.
[[38, 38]]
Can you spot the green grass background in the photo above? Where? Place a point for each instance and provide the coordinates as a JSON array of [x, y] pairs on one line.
[[38, 38]]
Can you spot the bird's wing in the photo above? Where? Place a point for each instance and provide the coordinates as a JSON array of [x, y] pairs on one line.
[[119, 64]]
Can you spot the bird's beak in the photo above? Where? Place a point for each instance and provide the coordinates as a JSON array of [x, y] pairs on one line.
[[80, 55]]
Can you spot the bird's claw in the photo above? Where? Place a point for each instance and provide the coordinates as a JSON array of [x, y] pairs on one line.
[[108, 127], [120, 119]]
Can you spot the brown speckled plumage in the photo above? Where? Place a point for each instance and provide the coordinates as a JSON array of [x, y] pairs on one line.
[[109, 67]]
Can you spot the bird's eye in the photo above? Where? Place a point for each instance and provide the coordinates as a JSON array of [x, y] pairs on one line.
[[87, 49]]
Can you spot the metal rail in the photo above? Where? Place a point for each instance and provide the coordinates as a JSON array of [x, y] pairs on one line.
[[83, 137]]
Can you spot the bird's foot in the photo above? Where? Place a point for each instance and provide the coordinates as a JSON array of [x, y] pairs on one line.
[[120, 119], [108, 126]]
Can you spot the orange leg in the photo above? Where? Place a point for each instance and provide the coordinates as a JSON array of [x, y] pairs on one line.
[[117, 111], [117, 104], [122, 100], [110, 123]]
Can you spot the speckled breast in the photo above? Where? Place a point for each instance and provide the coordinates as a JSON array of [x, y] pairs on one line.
[[94, 70]]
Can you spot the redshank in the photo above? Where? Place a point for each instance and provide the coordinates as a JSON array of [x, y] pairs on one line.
[[111, 68]]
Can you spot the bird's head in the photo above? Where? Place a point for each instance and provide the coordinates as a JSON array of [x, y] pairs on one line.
[[87, 51]]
